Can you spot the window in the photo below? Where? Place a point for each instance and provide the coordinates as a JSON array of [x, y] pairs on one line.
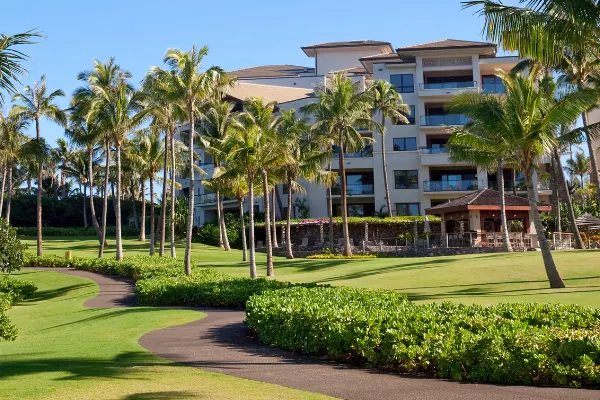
[[405, 83], [410, 209], [410, 117], [405, 144], [492, 84], [406, 179]]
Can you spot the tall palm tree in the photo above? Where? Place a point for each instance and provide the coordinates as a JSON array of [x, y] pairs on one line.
[[481, 142], [563, 35], [579, 166], [37, 103], [340, 111], [192, 88], [12, 143], [387, 102], [12, 59], [528, 120], [62, 156]]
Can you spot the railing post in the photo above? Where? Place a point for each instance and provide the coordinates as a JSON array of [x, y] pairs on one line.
[[364, 247], [396, 246], [446, 240]]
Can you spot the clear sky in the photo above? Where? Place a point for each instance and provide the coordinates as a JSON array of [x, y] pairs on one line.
[[239, 34]]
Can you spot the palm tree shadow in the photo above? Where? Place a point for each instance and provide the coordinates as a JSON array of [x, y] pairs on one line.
[[169, 395]]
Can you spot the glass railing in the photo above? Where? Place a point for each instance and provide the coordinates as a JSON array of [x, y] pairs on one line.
[[207, 198], [448, 85], [446, 119], [449, 186], [521, 186], [353, 190], [435, 150], [361, 154]]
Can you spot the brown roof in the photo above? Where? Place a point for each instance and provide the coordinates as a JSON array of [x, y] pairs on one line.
[[485, 199], [279, 94], [268, 71], [387, 58], [310, 50], [446, 44], [353, 70]]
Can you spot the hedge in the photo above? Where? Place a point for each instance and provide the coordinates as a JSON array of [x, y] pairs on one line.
[[357, 220], [126, 231], [507, 343], [12, 291]]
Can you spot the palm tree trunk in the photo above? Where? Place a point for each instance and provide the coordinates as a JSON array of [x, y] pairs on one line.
[[152, 222], [219, 210], [279, 203], [330, 211], [251, 227], [92, 208], [29, 185], [243, 225], [10, 190], [85, 221], [594, 176], [551, 271], [187, 259], [105, 201], [40, 252], [500, 179], [172, 220], [514, 181], [347, 248], [118, 243], [114, 196], [268, 241], [143, 222], [4, 170], [562, 186], [163, 207], [136, 223], [288, 222], [274, 226], [222, 226], [63, 182], [388, 201]]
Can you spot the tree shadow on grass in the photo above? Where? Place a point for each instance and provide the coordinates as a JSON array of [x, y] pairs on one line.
[[48, 294], [103, 314], [78, 368], [161, 396]]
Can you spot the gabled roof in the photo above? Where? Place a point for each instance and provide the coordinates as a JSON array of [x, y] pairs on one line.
[[271, 71], [385, 58], [269, 93], [310, 50], [485, 199], [446, 44]]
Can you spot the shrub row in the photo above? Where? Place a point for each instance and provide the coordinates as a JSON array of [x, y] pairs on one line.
[[126, 231], [12, 291], [508, 343]]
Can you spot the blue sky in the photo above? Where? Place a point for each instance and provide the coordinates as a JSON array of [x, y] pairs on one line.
[[239, 33]]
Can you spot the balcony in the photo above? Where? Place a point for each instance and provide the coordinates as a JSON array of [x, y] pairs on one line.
[[521, 186], [444, 119], [354, 190], [435, 150], [210, 198], [450, 186], [448, 85], [366, 153]]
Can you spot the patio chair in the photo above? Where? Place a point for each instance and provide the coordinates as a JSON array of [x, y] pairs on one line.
[[304, 243]]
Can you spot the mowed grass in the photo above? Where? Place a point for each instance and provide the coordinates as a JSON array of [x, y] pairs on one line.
[[481, 279], [66, 351]]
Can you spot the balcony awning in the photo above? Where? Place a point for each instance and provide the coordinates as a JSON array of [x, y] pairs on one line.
[[485, 199]]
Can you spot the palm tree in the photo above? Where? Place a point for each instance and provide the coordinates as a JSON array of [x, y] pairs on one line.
[[388, 102], [481, 142], [579, 166], [62, 156], [562, 35], [218, 122], [340, 111], [12, 144], [528, 121], [11, 60], [37, 103], [191, 87]]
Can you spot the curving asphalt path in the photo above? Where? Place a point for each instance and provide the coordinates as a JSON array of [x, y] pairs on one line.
[[220, 343]]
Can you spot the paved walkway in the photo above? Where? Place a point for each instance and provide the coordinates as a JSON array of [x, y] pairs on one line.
[[220, 343]]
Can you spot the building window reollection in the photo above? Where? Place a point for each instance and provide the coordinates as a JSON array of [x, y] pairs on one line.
[[406, 179], [405, 144], [405, 83], [407, 209], [410, 117]]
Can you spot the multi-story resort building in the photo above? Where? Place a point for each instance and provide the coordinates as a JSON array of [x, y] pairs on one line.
[[421, 174]]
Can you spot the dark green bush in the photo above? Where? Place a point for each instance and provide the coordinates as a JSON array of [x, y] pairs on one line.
[[126, 231], [508, 343], [18, 289], [205, 288], [11, 248], [7, 330]]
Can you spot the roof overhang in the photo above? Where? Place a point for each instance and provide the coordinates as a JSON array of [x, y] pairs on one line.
[[446, 210], [311, 51]]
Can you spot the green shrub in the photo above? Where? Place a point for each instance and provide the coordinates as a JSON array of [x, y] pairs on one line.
[[126, 231], [508, 343], [18, 289], [11, 248], [206, 287], [7, 330], [339, 256]]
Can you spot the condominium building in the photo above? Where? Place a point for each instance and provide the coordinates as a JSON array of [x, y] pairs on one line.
[[421, 174]]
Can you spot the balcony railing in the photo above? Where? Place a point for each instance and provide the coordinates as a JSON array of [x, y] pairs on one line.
[[449, 186], [521, 186], [353, 190], [435, 150], [207, 198], [448, 85], [366, 153], [446, 119]]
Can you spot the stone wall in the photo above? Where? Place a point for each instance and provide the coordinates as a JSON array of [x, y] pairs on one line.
[[402, 251]]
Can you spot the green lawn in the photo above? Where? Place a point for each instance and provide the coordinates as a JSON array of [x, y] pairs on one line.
[[482, 279], [66, 351]]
